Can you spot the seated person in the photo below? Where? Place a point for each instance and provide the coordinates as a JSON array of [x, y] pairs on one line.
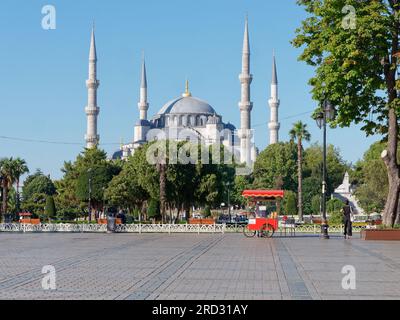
[[262, 211]]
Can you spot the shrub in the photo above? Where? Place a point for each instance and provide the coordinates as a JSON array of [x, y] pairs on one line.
[[336, 218], [334, 206], [206, 212], [289, 203], [316, 204], [50, 209], [153, 211]]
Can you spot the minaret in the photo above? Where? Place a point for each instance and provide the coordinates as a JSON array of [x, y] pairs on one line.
[[245, 104], [92, 110], [274, 102], [142, 126], [143, 104]]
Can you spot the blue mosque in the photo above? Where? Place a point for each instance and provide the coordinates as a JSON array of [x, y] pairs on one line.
[[188, 118]]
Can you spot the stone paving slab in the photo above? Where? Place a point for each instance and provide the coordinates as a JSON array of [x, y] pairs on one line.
[[195, 267]]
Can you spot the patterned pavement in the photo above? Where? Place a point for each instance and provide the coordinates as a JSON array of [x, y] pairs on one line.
[[198, 267]]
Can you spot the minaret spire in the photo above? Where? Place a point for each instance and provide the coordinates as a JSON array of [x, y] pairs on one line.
[[143, 103], [274, 103], [92, 84], [245, 104], [274, 72]]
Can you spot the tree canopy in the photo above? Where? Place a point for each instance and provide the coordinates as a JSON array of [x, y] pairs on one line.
[[354, 47], [276, 162], [37, 183]]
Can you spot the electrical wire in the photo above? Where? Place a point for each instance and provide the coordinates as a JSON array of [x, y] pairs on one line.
[[286, 118], [117, 144]]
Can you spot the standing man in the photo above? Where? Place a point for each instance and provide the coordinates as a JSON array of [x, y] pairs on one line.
[[348, 225]]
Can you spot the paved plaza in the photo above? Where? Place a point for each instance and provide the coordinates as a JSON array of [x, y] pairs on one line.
[[199, 267]]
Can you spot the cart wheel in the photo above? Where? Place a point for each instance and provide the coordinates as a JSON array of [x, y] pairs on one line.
[[248, 233], [267, 231]]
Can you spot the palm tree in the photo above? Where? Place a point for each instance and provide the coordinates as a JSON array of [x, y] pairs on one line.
[[20, 169], [299, 132], [7, 172]]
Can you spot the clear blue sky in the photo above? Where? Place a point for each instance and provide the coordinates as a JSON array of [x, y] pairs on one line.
[[43, 72]]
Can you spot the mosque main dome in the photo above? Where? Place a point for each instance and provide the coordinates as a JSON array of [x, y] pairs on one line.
[[187, 105]]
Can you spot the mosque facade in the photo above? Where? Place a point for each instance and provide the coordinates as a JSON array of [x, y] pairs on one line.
[[188, 118]]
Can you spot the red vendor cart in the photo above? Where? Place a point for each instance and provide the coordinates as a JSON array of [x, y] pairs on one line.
[[263, 212]]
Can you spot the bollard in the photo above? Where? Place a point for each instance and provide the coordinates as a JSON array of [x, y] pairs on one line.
[[110, 224]]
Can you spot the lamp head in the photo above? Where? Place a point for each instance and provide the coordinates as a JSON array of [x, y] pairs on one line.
[[320, 120], [329, 110]]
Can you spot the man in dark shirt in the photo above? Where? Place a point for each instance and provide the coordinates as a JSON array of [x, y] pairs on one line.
[[348, 228]]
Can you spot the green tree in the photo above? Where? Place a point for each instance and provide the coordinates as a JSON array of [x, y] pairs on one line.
[[97, 178], [153, 211], [241, 183], [50, 209], [35, 204], [188, 181], [277, 161], [336, 166], [148, 177], [20, 169], [207, 211], [336, 218], [316, 204], [67, 203], [299, 132], [37, 183], [371, 178], [124, 190], [334, 208], [12, 202], [356, 69], [312, 189], [73, 188], [8, 174], [289, 203], [334, 205], [216, 180]]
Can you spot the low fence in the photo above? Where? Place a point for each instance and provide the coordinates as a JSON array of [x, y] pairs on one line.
[[309, 229], [127, 228], [155, 228]]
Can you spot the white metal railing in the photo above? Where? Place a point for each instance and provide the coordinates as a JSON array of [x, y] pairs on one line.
[[127, 228], [309, 229], [154, 228]]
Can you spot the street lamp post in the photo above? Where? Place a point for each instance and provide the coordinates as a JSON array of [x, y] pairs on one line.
[[228, 184], [90, 196], [104, 202], [326, 114], [1, 197]]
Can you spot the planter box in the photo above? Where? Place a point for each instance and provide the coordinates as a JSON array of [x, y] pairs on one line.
[[30, 221], [382, 235], [201, 221], [104, 221]]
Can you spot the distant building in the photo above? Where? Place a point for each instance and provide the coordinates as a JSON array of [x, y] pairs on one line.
[[345, 192]]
